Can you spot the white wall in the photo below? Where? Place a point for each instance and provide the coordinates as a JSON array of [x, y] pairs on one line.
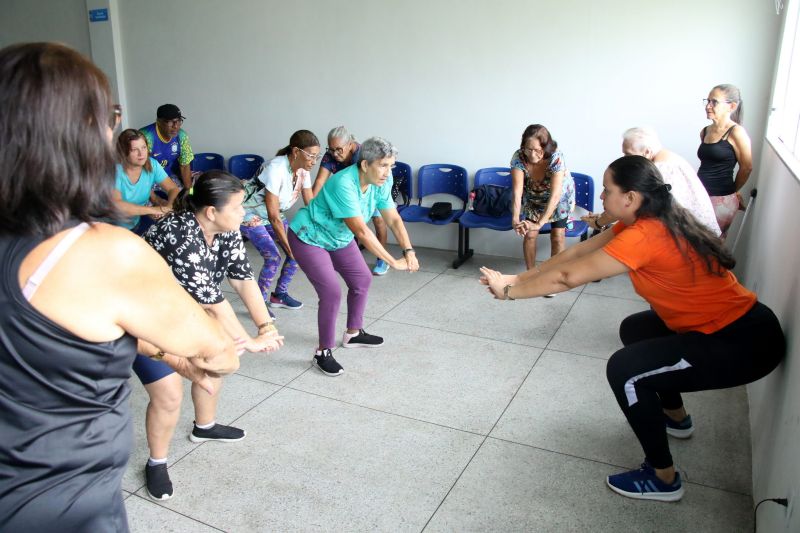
[[449, 82], [770, 266], [63, 21]]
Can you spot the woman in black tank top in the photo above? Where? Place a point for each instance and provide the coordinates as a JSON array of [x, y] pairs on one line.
[[69, 296], [723, 144]]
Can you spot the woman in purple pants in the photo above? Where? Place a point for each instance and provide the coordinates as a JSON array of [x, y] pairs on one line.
[[274, 191], [321, 237]]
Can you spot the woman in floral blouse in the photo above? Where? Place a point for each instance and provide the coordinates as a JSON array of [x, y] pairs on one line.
[[201, 243], [543, 191]]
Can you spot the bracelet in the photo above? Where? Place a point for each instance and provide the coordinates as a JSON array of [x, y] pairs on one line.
[[505, 292], [267, 327], [407, 250], [158, 356]]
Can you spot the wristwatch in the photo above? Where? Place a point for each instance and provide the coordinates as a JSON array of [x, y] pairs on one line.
[[407, 250]]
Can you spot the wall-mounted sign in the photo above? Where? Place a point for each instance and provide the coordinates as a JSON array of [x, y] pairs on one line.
[[98, 15]]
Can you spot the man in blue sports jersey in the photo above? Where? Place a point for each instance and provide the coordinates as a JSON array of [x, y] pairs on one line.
[[169, 144]]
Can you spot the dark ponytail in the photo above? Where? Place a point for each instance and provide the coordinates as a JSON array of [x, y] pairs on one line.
[[637, 173], [301, 139], [213, 188]]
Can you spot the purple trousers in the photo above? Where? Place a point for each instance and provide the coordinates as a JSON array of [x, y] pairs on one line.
[[321, 267]]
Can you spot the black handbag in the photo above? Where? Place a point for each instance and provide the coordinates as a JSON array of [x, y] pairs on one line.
[[441, 211], [491, 200]]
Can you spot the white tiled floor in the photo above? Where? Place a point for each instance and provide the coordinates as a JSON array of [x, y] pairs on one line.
[[476, 415]]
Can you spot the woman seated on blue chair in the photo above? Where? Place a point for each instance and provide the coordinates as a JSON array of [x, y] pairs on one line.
[[543, 191], [136, 174]]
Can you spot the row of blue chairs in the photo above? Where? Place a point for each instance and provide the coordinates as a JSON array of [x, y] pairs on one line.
[[243, 166], [453, 180]]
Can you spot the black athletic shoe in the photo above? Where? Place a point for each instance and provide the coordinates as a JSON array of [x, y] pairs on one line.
[[327, 364], [217, 432], [362, 339], [159, 486]]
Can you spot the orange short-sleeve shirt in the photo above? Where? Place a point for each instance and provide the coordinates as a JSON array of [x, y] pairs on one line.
[[683, 293]]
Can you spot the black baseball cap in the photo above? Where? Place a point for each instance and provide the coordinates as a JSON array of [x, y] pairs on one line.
[[169, 112]]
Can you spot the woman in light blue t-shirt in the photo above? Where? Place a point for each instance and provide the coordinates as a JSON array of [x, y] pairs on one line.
[[135, 177], [322, 236]]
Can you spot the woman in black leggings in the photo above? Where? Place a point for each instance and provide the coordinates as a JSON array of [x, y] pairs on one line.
[[704, 330]]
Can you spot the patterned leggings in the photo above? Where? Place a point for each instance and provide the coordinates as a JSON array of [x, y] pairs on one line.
[[263, 238]]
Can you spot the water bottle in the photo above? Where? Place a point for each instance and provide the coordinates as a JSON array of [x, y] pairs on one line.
[[471, 203]]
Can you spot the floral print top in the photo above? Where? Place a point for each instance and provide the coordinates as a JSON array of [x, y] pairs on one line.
[[535, 195], [198, 267]]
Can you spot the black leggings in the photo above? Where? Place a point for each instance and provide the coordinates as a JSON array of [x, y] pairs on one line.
[[657, 364]]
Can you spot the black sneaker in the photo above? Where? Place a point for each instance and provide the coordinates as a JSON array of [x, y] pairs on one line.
[[362, 339], [217, 432], [159, 486], [327, 364]]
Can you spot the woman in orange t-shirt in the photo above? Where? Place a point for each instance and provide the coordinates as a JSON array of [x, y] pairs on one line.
[[704, 331]]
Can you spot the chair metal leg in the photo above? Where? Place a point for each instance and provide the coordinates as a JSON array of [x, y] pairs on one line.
[[464, 251]]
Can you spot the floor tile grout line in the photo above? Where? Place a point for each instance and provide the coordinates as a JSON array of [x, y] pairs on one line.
[[573, 456], [401, 302], [176, 512], [388, 413], [461, 430], [513, 396]]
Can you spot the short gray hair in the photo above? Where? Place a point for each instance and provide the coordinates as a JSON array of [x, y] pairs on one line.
[[641, 139], [340, 132], [376, 148]]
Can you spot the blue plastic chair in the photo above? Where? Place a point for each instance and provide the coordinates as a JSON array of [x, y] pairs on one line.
[[584, 197], [438, 179], [401, 191], [207, 161], [495, 176], [245, 166]]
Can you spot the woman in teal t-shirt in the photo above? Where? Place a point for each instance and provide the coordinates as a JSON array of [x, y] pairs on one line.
[[322, 239], [135, 177]]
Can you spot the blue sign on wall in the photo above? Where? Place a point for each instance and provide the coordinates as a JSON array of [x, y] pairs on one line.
[[98, 15]]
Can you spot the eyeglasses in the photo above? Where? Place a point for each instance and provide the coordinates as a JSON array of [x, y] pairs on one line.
[[313, 157], [174, 122], [115, 118], [714, 102], [531, 151], [335, 151]]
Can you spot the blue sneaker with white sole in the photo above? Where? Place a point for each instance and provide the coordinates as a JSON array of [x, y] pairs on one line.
[[381, 268], [644, 484], [284, 301]]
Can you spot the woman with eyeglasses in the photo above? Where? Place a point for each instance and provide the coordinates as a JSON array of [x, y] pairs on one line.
[[543, 191], [282, 181], [343, 151], [723, 144], [76, 295], [704, 329], [322, 236], [135, 177]]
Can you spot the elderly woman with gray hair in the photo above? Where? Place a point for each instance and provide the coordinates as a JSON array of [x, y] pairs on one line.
[[343, 151], [686, 187], [322, 236]]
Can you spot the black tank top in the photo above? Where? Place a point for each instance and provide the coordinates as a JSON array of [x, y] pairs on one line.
[[717, 161], [65, 431]]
